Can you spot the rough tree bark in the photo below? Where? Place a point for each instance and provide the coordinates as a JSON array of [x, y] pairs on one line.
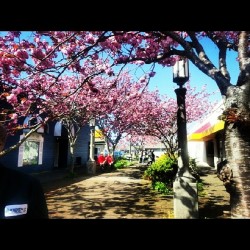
[[237, 146]]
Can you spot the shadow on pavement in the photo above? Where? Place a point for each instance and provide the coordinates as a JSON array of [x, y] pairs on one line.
[[215, 203], [117, 194]]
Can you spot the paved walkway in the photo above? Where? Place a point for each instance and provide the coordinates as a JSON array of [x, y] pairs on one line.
[[114, 195], [123, 194], [214, 203]]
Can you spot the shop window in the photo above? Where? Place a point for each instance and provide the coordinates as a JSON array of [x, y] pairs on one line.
[[31, 150], [30, 153]]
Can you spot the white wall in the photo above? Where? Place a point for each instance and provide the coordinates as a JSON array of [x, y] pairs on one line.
[[197, 150]]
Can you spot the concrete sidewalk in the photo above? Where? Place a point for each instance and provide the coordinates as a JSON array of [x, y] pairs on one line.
[[119, 194], [214, 202]]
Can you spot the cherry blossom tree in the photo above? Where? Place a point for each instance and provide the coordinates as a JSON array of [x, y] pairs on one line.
[[118, 104], [154, 115], [57, 53], [70, 104], [165, 47], [132, 109], [159, 117], [33, 66]]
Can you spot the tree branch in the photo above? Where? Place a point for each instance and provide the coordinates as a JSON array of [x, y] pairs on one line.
[[4, 152]]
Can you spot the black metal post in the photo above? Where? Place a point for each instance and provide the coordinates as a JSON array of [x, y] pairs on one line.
[[183, 159], [185, 187]]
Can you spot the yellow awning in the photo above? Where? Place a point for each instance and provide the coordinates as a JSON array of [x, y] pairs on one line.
[[212, 129], [98, 134]]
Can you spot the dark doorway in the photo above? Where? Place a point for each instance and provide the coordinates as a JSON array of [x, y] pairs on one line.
[[63, 153], [210, 153]]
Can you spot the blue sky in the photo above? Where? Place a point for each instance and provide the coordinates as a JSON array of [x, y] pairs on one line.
[[163, 80]]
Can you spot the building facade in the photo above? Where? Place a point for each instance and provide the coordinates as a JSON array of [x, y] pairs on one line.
[[46, 149], [206, 140], [100, 144]]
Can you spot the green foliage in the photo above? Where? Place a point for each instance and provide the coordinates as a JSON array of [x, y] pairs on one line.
[[162, 173], [163, 170], [194, 170], [200, 188], [123, 163], [162, 188]]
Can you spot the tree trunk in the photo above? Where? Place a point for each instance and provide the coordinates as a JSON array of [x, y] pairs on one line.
[[237, 146], [72, 152]]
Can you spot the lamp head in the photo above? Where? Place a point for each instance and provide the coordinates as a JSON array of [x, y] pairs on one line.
[[181, 72]]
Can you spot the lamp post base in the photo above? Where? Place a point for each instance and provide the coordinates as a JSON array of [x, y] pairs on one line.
[[185, 199], [91, 167]]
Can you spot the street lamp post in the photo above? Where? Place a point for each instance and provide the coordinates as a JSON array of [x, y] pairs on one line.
[[185, 187], [91, 164]]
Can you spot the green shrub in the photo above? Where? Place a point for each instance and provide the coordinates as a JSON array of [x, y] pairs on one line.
[[194, 170], [120, 163], [162, 188], [123, 163], [162, 173], [200, 188]]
